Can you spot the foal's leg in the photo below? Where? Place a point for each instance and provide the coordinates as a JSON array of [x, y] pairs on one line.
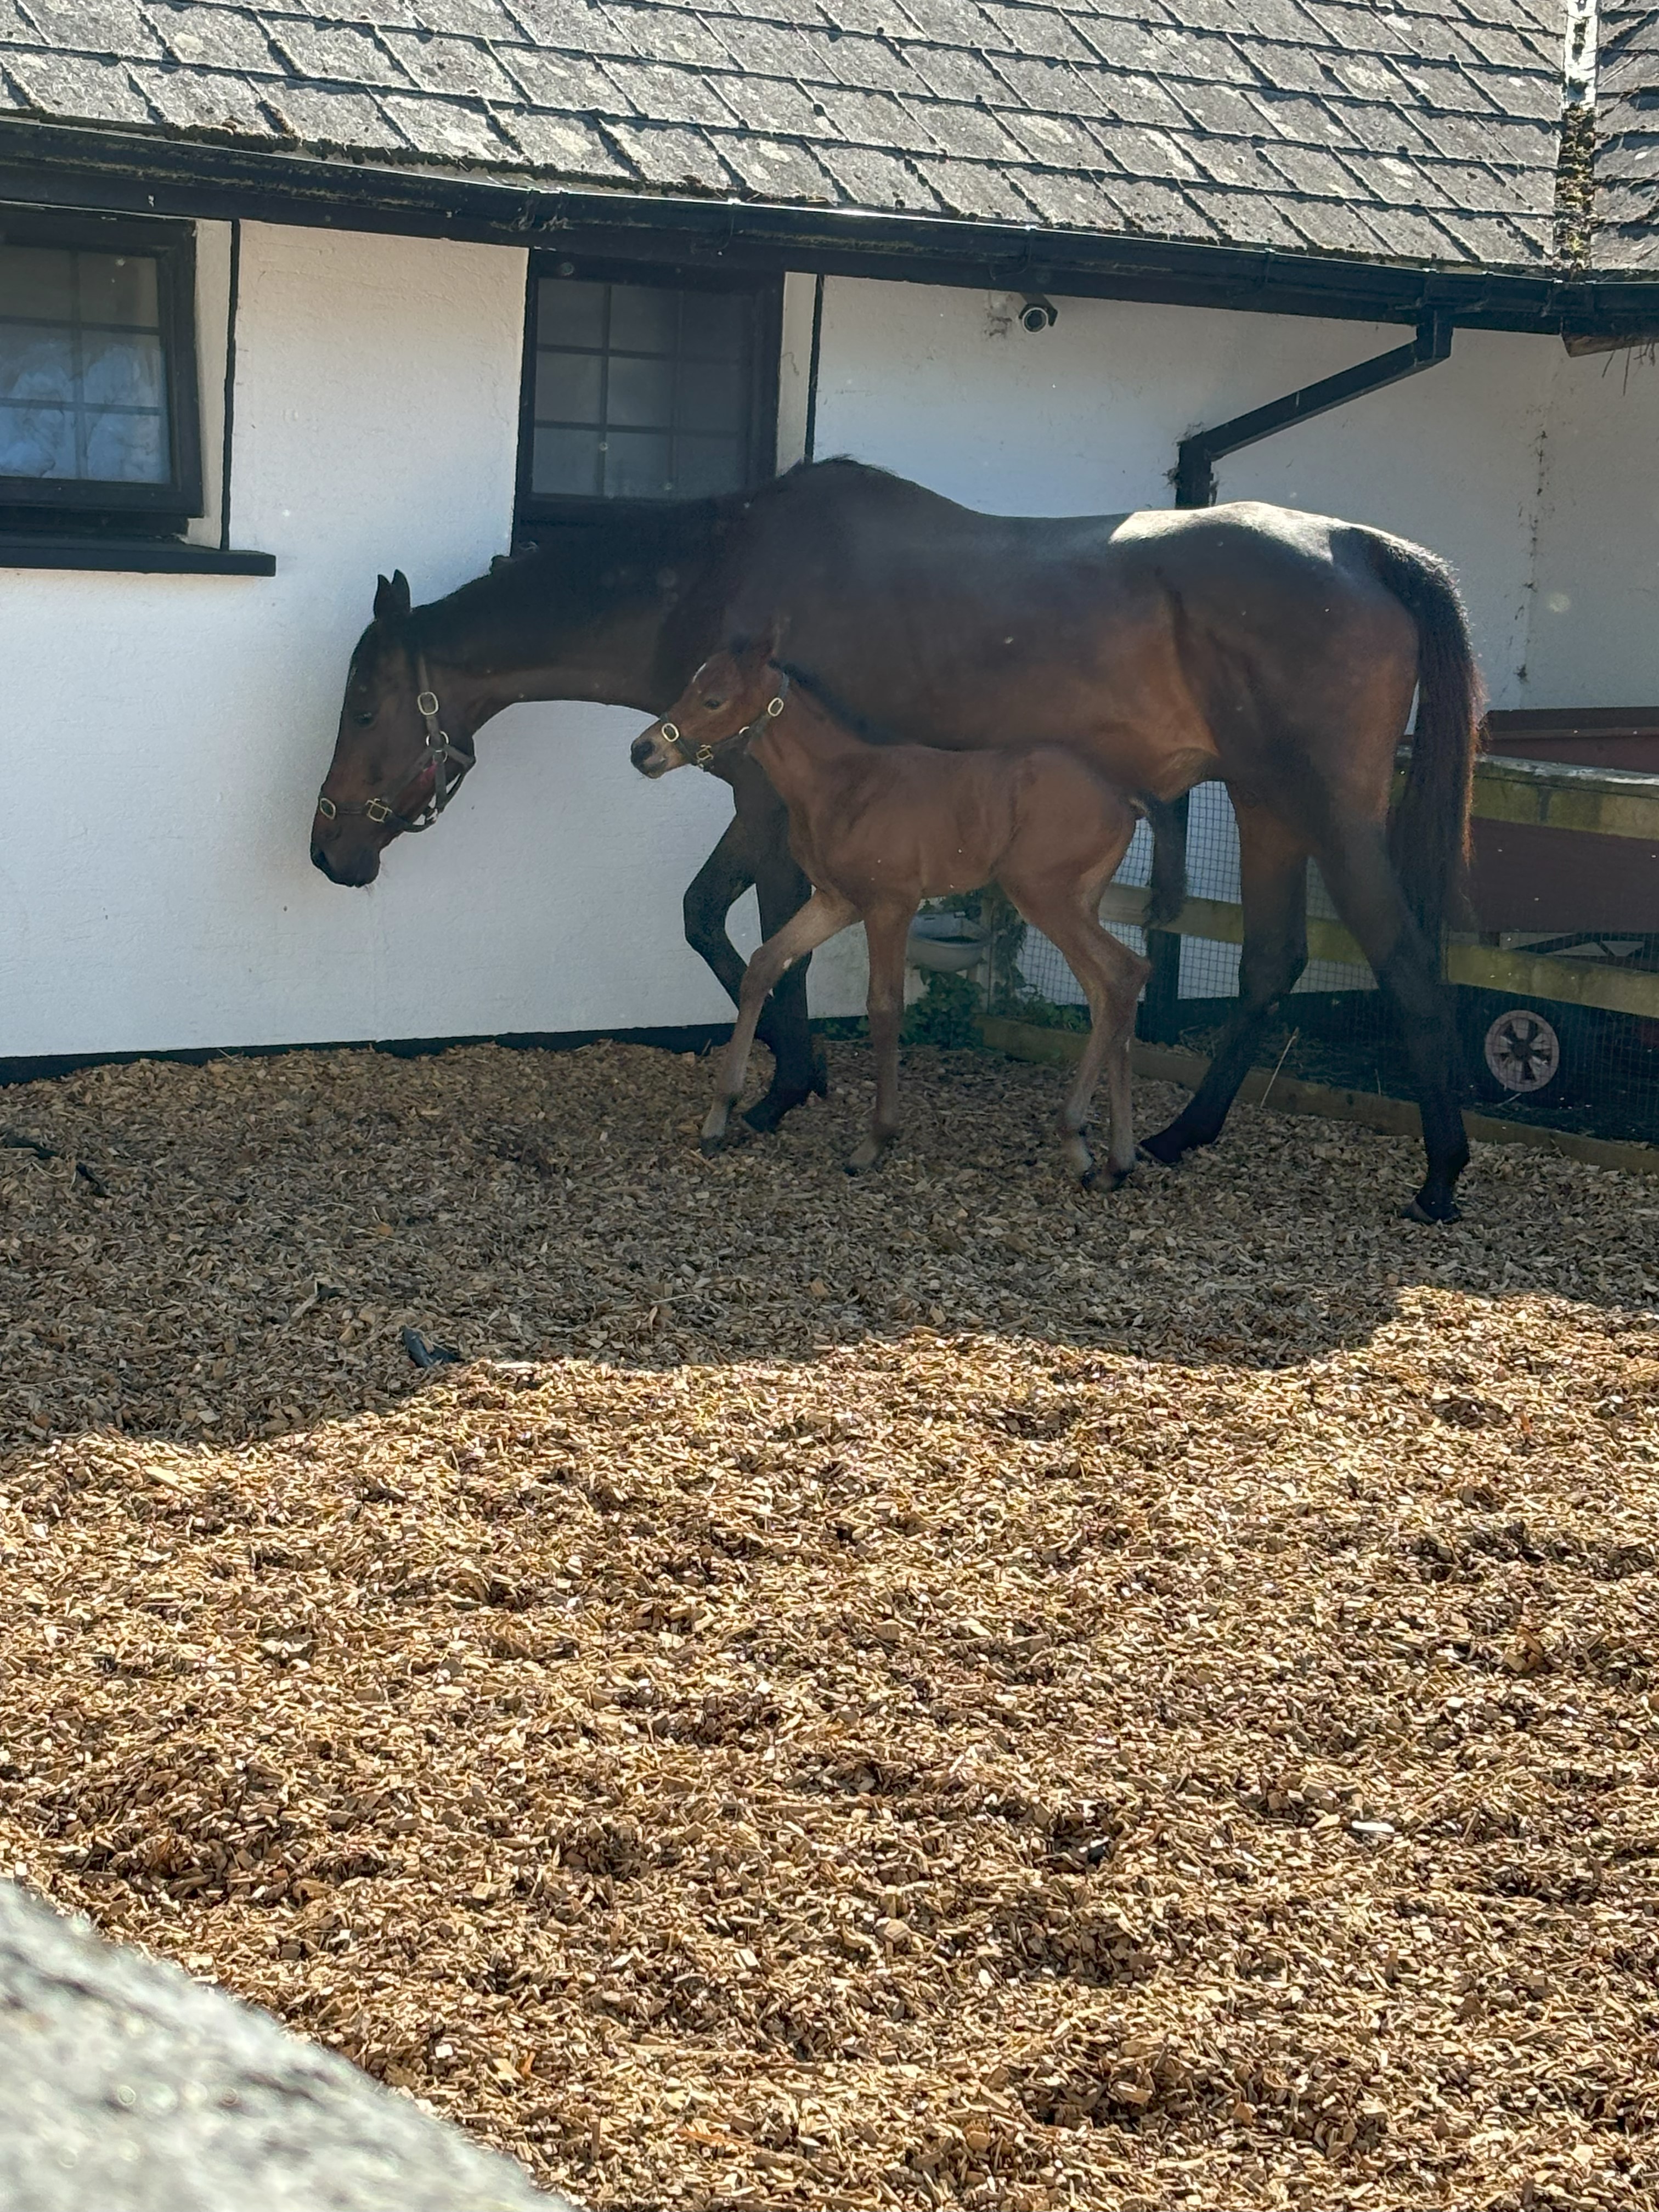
[[1111, 977], [824, 913], [887, 932], [1273, 871]]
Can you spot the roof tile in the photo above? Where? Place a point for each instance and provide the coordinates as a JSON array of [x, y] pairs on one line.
[[75, 85], [563, 145], [96, 27], [448, 129], [672, 155], [337, 122], [875, 179], [213, 38], [204, 101], [669, 95], [974, 190], [568, 82], [342, 54], [458, 66], [773, 169]]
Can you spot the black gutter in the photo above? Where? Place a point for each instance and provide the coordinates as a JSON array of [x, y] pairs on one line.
[[1196, 457], [69, 165]]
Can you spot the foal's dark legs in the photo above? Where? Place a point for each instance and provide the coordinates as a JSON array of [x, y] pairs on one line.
[[1273, 873], [1366, 893]]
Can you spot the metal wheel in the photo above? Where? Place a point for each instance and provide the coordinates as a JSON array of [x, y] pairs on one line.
[[1522, 1051]]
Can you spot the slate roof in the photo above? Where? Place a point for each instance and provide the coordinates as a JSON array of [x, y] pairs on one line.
[[1419, 131], [1627, 129]]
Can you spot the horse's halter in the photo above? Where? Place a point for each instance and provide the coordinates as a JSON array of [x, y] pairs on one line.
[[706, 754], [441, 753]]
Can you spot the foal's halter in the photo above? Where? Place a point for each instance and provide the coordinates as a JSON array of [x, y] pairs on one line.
[[441, 753], [706, 754]]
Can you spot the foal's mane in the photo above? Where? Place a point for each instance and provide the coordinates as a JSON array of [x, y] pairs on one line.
[[861, 726]]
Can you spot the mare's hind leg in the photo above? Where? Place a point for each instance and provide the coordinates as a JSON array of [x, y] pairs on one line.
[[1111, 977], [1274, 872], [823, 914], [887, 934], [1366, 892]]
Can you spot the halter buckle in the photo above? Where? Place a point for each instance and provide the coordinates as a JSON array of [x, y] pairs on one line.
[[377, 811], [704, 756]]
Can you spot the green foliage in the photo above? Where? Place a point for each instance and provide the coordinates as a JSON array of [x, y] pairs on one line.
[[946, 1014]]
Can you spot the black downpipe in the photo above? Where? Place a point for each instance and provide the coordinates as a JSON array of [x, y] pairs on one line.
[[1195, 486], [812, 440]]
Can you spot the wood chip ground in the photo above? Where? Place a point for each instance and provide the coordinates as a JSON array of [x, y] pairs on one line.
[[923, 1692]]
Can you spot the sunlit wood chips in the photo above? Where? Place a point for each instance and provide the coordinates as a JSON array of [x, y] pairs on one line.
[[919, 1691]]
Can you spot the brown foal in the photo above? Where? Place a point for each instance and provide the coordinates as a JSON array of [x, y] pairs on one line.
[[878, 828]]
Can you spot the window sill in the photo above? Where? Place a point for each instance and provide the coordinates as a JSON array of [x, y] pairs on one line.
[[152, 557]]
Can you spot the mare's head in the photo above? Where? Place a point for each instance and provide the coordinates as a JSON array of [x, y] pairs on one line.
[[735, 688], [385, 772]]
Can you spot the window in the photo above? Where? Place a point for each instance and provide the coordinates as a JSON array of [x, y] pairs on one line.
[[98, 422], [641, 389]]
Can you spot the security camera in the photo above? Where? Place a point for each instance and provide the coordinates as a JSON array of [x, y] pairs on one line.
[[1037, 313]]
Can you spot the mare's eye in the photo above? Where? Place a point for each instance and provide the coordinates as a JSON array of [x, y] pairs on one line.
[[363, 721]]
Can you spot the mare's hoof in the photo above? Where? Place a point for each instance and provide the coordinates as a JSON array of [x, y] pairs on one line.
[[1431, 1218], [764, 1115], [1167, 1149]]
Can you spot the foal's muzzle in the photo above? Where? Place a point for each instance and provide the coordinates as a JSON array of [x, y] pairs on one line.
[[648, 756]]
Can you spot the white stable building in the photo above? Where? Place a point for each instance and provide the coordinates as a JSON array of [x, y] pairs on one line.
[[286, 300]]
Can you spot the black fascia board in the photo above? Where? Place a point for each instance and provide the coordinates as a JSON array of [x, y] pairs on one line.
[[49, 164]]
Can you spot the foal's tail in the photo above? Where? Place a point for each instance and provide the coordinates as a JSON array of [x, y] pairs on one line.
[[1429, 831]]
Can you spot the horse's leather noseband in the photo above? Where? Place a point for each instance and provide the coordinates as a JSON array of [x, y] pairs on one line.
[[441, 753], [707, 755]]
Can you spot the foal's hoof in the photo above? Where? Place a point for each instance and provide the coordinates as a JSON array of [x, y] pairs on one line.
[[1419, 1209], [868, 1156], [1106, 1178]]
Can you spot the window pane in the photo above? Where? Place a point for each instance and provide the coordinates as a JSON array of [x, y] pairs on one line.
[[568, 313], [35, 281], [83, 390], [712, 325], [567, 387], [641, 391], [663, 376], [125, 448], [36, 364], [708, 464], [37, 441], [120, 372], [643, 319], [711, 397], [565, 461], [118, 288], [637, 465]]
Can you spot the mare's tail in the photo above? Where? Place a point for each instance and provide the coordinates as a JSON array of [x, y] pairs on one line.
[[1429, 831]]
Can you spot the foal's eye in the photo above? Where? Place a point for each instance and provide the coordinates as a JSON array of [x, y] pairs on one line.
[[713, 704]]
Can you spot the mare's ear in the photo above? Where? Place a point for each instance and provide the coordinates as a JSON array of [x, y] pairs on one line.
[[392, 599]]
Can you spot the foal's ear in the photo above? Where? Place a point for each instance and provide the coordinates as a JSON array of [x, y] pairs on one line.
[[392, 599]]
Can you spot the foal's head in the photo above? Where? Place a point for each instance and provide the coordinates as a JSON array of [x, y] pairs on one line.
[[734, 688]]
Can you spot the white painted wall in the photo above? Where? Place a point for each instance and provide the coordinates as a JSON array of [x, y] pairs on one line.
[[1595, 631], [167, 734]]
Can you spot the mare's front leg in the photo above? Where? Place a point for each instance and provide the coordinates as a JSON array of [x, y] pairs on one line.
[[823, 914], [798, 1065], [887, 934]]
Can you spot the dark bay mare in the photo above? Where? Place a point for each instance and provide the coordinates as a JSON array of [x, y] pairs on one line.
[[1277, 651]]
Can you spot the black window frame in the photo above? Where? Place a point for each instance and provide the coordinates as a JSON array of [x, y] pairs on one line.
[[86, 507], [529, 508]]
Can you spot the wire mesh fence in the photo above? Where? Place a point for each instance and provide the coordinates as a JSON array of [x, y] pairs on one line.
[[1558, 1024]]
